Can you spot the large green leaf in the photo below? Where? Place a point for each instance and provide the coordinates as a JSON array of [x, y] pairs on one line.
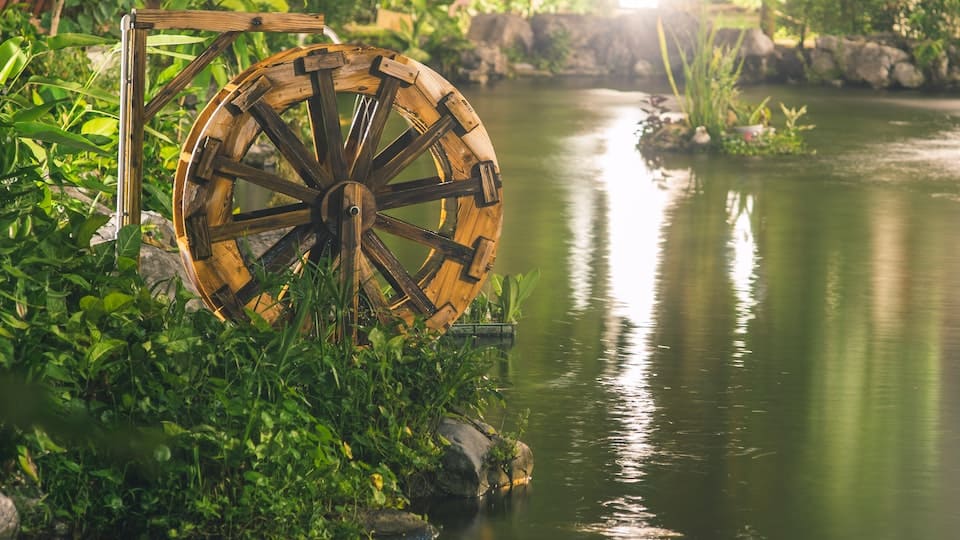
[[12, 59], [169, 40], [76, 87], [128, 244], [62, 41], [71, 142], [104, 126]]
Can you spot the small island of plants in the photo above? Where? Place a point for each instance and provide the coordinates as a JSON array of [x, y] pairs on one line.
[[709, 113]]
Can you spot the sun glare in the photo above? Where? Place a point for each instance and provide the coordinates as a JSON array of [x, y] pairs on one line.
[[639, 4]]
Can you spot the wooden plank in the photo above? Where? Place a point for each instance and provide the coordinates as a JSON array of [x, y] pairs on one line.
[[395, 147], [372, 293], [228, 21], [325, 99], [198, 237], [394, 272], [131, 159], [266, 180], [457, 106], [209, 149], [182, 79], [408, 155], [371, 138], [351, 221], [449, 248], [398, 70], [417, 193], [251, 94], [482, 259], [228, 303], [443, 318], [489, 182], [324, 60], [292, 148], [261, 224]]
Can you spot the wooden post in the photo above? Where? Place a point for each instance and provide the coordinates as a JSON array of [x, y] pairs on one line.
[[130, 160]]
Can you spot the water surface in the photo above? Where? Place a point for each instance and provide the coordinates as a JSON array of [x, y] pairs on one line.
[[730, 347]]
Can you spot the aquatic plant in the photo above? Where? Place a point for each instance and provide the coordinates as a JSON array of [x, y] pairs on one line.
[[710, 75]]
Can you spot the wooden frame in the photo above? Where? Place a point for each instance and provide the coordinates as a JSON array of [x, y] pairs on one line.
[[134, 113]]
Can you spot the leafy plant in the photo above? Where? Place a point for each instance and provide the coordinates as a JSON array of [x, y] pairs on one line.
[[505, 298], [710, 74], [788, 141], [749, 115]]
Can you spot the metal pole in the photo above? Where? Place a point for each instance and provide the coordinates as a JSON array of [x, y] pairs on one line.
[[126, 29]]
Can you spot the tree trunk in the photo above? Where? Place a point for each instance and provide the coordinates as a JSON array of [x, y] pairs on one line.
[[768, 17]]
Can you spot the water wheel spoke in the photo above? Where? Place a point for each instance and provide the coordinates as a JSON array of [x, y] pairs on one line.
[[262, 221], [283, 254], [384, 156], [374, 129], [291, 147], [265, 179], [372, 293], [325, 125], [426, 190], [449, 248], [381, 176], [395, 274]]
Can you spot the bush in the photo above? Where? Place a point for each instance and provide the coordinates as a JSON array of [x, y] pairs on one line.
[[134, 416]]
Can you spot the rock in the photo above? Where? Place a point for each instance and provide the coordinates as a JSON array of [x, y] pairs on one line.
[[469, 468], [502, 30], [908, 75], [828, 43], [396, 524], [872, 63], [9, 518], [482, 63], [823, 66], [643, 69]]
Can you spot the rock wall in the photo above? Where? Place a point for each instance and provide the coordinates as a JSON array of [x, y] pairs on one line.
[[628, 46]]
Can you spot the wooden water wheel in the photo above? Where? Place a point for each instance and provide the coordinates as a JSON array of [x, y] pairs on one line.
[[411, 221]]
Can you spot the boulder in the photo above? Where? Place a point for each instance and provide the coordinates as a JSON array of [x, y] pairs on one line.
[[872, 63], [483, 63], [392, 524], [823, 66], [908, 75], [502, 30], [470, 465], [9, 518]]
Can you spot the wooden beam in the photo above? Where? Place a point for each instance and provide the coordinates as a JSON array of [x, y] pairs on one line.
[[228, 21], [183, 78], [132, 126]]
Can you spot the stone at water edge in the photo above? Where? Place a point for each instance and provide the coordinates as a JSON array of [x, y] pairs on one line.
[[9, 518], [467, 470]]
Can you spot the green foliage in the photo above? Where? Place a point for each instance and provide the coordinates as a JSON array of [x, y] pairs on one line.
[[503, 301], [749, 115], [787, 141], [833, 17], [553, 52], [928, 52], [710, 74], [134, 416]]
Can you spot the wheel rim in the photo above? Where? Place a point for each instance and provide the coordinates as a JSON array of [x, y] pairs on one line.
[[344, 194]]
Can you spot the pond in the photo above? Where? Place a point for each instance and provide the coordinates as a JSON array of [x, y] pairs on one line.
[[730, 347]]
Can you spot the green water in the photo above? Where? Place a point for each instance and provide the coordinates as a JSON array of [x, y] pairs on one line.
[[731, 348]]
